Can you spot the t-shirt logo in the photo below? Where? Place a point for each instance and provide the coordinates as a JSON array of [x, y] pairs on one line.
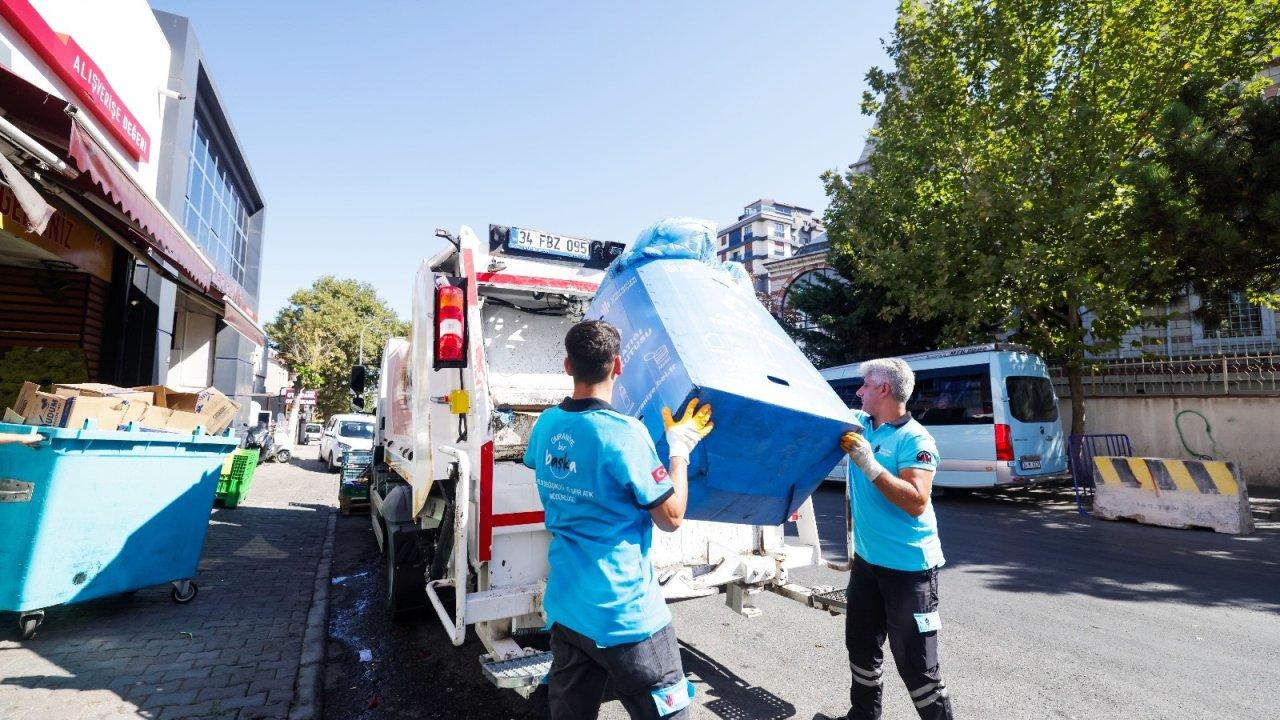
[[659, 475], [557, 457], [924, 456]]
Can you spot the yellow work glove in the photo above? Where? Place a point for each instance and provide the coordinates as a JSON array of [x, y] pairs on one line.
[[861, 454], [684, 434]]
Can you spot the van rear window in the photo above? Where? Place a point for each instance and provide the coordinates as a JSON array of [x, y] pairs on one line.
[[953, 396], [1031, 399], [943, 396]]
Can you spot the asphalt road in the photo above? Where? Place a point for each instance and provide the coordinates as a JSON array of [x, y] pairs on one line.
[[1047, 614]]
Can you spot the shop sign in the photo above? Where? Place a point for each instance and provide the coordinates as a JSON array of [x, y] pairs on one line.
[[308, 396], [74, 66], [82, 246]]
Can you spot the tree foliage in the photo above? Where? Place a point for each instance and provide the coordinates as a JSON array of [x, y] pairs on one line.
[[997, 193], [318, 335], [1209, 195], [850, 320]]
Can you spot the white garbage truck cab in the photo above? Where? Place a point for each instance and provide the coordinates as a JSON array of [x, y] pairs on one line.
[[453, 507]]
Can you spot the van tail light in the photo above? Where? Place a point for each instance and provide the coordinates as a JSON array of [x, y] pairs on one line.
[[1004, 442], [451, 326]]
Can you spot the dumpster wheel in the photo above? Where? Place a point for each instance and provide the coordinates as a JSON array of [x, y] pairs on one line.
[[181, 598], [30, 623]]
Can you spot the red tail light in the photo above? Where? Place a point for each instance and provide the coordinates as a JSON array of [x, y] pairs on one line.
[[450, 324], [1004, 443]]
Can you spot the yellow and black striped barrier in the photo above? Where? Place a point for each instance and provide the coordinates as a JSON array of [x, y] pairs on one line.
[[1209, 477], [1172, 492]]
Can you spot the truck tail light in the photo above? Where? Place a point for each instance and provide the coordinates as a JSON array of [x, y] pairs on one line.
[[450, 325], [1004, 442]]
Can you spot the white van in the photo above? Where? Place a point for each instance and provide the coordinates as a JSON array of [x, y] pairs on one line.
[[991, 409], [342, 433]]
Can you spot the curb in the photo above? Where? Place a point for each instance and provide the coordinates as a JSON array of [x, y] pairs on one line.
[[306, 693]]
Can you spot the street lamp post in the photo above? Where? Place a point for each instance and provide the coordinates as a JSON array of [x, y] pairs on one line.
[[360, 351]]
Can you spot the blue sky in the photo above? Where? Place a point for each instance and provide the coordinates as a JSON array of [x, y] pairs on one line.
[[369, 125]]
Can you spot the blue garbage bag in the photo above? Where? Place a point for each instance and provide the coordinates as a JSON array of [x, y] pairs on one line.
[[679, 238]]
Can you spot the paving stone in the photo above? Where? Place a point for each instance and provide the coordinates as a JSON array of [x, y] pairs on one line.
[[245, 630]]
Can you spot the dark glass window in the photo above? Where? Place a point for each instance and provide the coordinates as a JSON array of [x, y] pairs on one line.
[[847, 389], [358, 430], [215, 213], [946, 396], [1031, 399], [953, 396]]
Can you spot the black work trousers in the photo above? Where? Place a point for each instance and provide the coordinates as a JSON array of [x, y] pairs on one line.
[[639, 672], [899, 605]]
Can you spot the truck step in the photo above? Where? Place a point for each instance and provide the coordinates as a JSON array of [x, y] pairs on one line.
[[517, 672], [835, 600]]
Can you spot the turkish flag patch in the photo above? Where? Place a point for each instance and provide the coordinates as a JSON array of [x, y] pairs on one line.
[[659, 474], [924, 456]]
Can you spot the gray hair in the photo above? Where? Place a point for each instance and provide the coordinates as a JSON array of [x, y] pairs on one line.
[[893, 372]]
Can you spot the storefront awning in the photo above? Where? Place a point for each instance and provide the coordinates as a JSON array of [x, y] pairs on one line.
[[237, 318], [114, 185], [113, 195]]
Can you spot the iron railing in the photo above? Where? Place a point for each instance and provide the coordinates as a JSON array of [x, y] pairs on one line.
[[1245, 374]]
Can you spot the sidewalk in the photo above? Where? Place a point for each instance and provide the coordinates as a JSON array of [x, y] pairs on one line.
[[234, 652]]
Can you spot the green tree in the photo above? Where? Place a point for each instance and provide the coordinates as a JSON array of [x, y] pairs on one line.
[[1209, 195], [850, 319], [318, 336], [996, 194]]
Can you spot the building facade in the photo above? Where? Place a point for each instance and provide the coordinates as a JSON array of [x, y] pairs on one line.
[[766, 230], [115, 268], [786, 275]]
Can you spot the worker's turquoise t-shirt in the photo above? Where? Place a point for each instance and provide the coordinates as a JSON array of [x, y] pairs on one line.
[[598, 476], [883, 533]]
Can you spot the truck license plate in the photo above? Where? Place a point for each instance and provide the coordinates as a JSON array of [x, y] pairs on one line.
[[548, 244], [1031, 463]]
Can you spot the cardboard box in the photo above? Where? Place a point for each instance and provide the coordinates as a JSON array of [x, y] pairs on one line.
[[104, 390], [159, 394], [153, 417], [12, 416], [42, 408], [208, 408]]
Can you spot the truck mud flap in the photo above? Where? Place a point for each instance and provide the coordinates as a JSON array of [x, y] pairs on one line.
[[407, 559], [444, 537]]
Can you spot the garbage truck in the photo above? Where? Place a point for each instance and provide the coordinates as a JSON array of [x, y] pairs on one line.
[[455, 511]]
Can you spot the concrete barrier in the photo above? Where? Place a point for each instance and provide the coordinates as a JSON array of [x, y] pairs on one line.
[[1172, 493]]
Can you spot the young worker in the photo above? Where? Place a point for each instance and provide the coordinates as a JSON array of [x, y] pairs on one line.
[[893, 586], [603, 489]]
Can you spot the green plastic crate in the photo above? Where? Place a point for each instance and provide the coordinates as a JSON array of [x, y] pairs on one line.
[[233, 485], [351, 484]]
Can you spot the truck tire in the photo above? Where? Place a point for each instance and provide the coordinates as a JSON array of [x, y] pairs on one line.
[[406, 570]]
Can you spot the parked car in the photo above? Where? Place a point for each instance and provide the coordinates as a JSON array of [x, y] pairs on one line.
[[311, 432], [991, 408], [342, 433]]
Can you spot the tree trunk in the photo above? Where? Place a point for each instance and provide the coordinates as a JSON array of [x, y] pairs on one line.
[[1075, 370], [1076, 384]]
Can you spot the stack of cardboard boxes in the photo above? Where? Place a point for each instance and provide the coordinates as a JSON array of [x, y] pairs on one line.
[[152, 407]]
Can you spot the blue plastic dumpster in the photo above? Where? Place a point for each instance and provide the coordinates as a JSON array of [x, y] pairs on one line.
[[690, 329], [88, 513]]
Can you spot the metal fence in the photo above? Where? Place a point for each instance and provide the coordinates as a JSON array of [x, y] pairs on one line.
[[1255, 375]]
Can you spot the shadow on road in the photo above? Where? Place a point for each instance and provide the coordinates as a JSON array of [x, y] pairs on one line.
[[734, 697], [1036, 541]]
